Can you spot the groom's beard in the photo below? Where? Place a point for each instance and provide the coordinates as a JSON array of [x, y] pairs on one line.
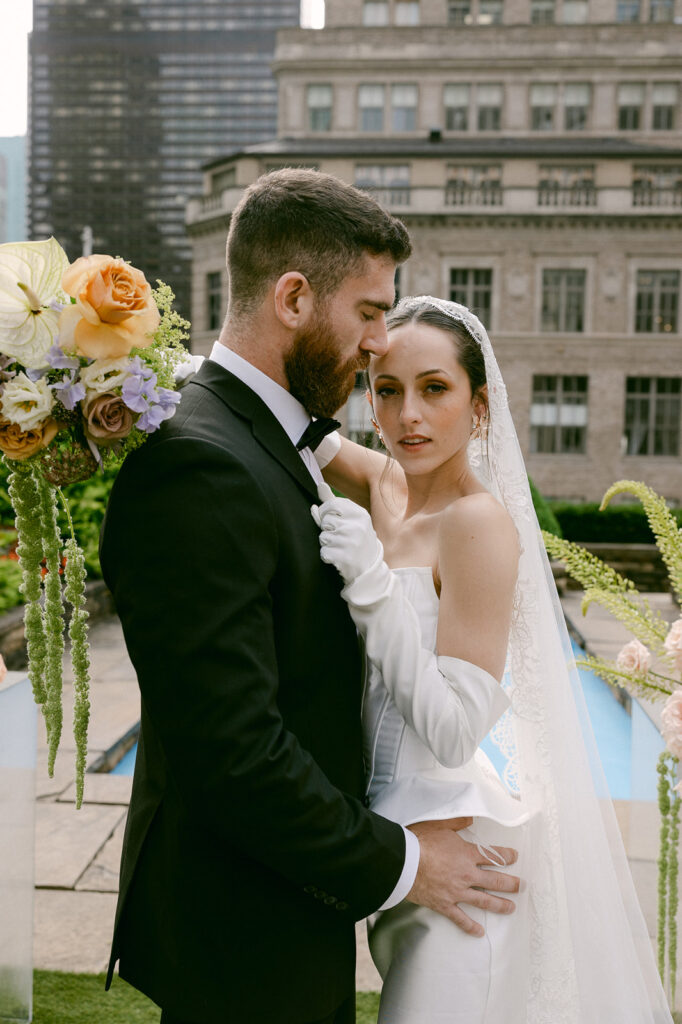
[[317, 376]]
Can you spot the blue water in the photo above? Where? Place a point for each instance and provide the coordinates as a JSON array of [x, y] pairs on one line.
[[613, 730]]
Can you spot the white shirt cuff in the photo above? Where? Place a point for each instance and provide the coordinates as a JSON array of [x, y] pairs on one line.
[[409, 872]]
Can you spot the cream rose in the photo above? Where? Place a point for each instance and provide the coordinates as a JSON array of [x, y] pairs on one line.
[[107, 418], [104, 375], [26, 402], [114, 311], [634, 657], [673, 644], [18, 444], [671, 717]]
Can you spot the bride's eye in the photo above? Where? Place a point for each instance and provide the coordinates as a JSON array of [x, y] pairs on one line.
[[386, 391], [435, 389]]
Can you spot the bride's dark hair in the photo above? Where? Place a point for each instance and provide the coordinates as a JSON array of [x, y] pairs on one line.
[[469, 352]]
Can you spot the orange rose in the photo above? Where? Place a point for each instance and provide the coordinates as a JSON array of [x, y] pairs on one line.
[[16, 443], [107, 418], [114, 311]]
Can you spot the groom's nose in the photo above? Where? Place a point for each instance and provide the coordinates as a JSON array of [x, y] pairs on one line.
[[376, 337]]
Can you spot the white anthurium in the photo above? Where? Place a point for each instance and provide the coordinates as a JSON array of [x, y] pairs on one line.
[[30, 279]]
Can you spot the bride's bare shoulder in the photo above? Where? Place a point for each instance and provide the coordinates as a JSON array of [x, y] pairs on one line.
[[478, 522]]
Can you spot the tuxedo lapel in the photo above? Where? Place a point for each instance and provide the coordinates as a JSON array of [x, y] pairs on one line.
[[265, 426]]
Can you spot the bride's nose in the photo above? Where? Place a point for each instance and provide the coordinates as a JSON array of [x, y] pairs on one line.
[[410, 411]]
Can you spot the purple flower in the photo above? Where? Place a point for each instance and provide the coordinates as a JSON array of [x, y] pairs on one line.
[[6, 374], [70, 392], [140, 369], [139, 393], [167, 398], [58, 359], [34, 375]]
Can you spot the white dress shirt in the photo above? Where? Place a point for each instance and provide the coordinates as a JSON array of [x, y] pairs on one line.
[[294, 419]]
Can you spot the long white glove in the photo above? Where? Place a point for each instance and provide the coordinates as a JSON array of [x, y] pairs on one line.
[[451, 704]]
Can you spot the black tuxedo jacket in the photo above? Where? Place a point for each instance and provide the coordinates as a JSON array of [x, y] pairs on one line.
[[248, 853]]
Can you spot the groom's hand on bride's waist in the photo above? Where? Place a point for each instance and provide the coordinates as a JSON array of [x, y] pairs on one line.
[[453, 871]]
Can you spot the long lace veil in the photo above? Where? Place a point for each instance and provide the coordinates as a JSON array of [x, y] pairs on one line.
[[591, 958]]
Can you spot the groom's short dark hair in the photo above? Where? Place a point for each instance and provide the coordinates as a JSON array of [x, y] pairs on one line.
[[306, 221]]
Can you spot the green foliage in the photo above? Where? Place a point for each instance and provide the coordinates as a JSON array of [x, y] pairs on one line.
[[87, 504], [543, 510], [80, 999], [668, 864], [616, 524], [662, 524], [10, 585]]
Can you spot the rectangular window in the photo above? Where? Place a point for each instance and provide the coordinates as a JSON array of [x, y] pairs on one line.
[[542, 12], [563, 300], [459, 12], [473, 288], [566, 185], [577, 98], [489, 104], [542, 104], [575, 12], [558, 415], [403, 108], [375, 12], [371, 104], [658, 294], [630, 103], [490, 12], [657, 186], [474, 185], [407, 12], [388, 183], [214, 301], [456, 99], [320, 108], [652, 415], [627, 10], [664, 104], [662, 10]]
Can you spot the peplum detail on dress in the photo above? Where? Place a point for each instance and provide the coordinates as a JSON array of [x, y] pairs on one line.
[[406, 782]]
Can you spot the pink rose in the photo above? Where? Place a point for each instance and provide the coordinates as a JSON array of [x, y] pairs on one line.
[[107, 418], [672, 723], [634, 657], [673, 644]]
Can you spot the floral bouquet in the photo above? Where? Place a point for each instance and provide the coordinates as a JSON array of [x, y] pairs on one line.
[[89, 357], [649, 666]]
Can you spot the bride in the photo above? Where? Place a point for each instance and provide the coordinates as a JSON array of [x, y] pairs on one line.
[[468, 603]]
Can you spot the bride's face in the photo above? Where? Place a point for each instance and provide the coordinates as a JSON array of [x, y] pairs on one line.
[[422, 397]]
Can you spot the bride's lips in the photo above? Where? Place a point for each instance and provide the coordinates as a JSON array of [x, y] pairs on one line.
[[414, 442]]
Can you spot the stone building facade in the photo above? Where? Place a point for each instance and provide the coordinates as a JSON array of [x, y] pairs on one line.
[[533, 148]]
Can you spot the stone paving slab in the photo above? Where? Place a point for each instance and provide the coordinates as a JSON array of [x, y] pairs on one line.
[[114, 709], [101, 788], [72, 931], [102, 875], [67, 840]]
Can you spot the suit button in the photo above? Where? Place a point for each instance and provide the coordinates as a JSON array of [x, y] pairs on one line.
[[330, 900], [320, 894], [310, 889], [341, 905]]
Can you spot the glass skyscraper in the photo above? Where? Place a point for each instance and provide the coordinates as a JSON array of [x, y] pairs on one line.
[[128, 99]]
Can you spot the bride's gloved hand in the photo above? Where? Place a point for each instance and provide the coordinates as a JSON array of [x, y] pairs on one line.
[[451, 704], [347, 537]]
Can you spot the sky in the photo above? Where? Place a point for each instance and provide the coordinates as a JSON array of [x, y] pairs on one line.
[[15, 24]]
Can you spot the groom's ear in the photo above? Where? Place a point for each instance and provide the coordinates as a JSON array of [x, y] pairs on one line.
[[294, 300]]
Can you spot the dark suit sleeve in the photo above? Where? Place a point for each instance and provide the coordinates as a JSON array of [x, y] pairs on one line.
[[189, 549]]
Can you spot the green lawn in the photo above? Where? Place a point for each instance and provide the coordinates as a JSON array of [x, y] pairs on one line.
[[81, 999]]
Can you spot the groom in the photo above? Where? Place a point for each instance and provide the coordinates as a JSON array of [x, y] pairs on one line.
[[249, 853]]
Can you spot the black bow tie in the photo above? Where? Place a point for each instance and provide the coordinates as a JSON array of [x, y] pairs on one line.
[[316, 431]]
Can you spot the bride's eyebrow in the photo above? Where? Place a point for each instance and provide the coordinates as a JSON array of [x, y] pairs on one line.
[[385, 376], [427, 373]]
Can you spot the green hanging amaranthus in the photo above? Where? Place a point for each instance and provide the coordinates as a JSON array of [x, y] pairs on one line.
[[35, 506], [668, 862]]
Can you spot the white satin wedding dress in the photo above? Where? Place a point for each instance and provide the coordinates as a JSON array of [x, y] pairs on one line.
[[433, 972]]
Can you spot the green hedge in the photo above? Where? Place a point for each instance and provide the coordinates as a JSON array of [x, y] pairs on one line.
[[617, 524], [548, 521]]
